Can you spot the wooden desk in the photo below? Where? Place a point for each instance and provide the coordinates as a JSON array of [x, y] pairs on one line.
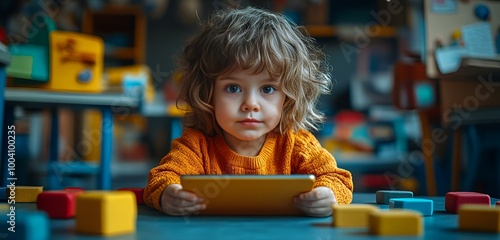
[[151, 224], [110, 104], [469, 97]]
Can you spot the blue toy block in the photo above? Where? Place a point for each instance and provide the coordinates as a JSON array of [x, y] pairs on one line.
[[383, 196], [425, 206], [27, 225]]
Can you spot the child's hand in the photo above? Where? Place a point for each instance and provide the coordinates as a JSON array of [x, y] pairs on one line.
[[318, 202], [177, 202]]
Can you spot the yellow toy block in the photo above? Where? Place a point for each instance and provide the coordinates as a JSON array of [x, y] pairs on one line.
[[24, 193], [479, 217], [76, 62], [354, 215], [396, 223], [106, 212]]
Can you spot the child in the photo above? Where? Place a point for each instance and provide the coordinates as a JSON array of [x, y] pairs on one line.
[[250, 81]]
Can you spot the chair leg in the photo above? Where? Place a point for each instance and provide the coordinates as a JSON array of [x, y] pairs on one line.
[[427, 152]]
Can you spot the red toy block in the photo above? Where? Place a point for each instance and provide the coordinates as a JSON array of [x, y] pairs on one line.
[[138, 193], [58, 204], [74, 189], [453, 200], [498, 203]]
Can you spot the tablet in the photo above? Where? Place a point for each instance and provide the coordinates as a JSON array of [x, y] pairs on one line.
[[248, 194]]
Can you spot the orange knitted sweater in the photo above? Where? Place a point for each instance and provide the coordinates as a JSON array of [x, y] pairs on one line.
[[290, 153]]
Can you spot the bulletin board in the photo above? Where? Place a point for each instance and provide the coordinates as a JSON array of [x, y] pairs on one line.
[[440, 25]]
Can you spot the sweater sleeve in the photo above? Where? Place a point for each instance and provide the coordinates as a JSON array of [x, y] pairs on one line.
[[311, 158], [184, 158]]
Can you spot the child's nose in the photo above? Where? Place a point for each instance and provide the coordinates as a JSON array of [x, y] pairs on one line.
[[250, 104]]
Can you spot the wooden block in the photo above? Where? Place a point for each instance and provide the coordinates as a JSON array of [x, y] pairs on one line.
[[74, 189], [424, 206], [453, 200], [26, 225], [58, 204], [396, 223], [25, 193], [353, 215], [139, 192], [383, 196], [479, 217], [106, 212]]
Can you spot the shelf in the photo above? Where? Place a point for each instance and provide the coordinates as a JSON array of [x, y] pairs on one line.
[[119, 10], [114, 23], [346, 31], [124, 53], [321, 30]]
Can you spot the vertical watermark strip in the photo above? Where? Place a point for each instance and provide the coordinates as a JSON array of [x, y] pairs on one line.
[[11, 178]]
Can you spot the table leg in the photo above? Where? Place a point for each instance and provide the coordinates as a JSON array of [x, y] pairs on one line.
[[53, 172], [106, 149], [456, 165], [473, 157], [429, 162]]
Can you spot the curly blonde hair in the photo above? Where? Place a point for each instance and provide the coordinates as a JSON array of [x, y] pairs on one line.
[[255, 39]]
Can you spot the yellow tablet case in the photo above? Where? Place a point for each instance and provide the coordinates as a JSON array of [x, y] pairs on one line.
[[248, 194]]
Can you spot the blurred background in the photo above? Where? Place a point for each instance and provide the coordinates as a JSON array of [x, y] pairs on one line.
[[384, 121]]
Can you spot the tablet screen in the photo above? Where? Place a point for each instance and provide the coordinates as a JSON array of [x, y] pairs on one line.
[[248, 194]]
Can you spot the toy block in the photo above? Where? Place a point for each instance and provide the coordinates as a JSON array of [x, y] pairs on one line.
[[424, 206], [74, 189], [76, 62], [58, 204], [395, 222], [26, 225], [25, 193], [498, 203], [479, 217], [3, 193], [353, 215], [383, 196], [138, 193], [453, 200], [106, 212]]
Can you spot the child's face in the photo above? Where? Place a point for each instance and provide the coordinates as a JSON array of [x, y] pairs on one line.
[[247, 105]]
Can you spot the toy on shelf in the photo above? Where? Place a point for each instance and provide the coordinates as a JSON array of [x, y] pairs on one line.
[[349, 134], [58, 60]]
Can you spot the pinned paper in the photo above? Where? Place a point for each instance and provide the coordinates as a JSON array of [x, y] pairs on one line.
[[444, 6], [478, 39]]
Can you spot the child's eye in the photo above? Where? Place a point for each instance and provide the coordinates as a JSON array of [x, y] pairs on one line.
[[233, 89], [268, 89]]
